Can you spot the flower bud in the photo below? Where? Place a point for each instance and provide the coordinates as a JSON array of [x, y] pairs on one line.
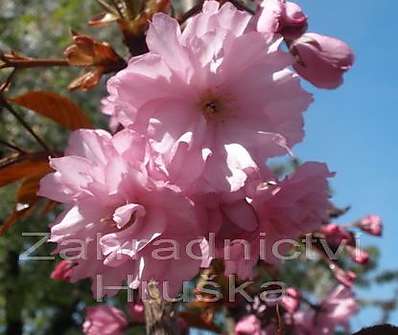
[[291, 300], [62, 271], [248, 325], [278, 16], [137, 312], [335, 235], [322, 60], [371, 224], [293, 22], [358, 255], [347, 278]]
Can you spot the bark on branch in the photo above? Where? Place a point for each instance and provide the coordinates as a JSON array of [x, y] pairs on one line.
[[160, 315]]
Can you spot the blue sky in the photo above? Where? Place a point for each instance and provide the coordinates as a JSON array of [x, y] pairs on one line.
[[354, 128]]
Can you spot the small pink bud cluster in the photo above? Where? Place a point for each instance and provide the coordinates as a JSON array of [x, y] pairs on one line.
[[320, 59]]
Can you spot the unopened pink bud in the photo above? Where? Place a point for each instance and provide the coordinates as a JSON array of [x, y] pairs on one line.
[[137, 312], [322, 60], [347, 278], [291, 300], [358, 255], [371, 224], [293, 21], [336, 234], [62, 271]]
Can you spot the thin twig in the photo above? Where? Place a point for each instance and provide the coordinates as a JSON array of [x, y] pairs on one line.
[[280, 330], [114, 3], [5, 104], [29, 63], [12, 146], [8, 81], [238, 4], [194, 10]]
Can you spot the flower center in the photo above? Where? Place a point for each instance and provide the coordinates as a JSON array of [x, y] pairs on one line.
[[212, 106]]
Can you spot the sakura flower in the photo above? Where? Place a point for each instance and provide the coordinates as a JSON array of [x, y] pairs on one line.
[[62, 271], [247, 224], [290, 208], [215, 84], [233, 228], [322, 60], [110, 197], [104, 320], [334, 312]]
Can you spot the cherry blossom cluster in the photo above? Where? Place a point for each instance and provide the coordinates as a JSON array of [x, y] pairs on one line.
[[195, 121]]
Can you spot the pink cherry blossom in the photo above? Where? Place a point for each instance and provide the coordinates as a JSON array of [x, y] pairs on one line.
[[213, 85], [322, 60], [293, 207], [252, 220], [104, 320], [120, 212], [371, 224], [62, 271], [233, 226], [334, 311]]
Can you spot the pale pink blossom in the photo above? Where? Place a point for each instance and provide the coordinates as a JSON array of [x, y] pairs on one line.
[[213, 85], [119, 212], [104, 320], [322, 60], [334, 311], [371, 224], [292, 207], [62, 271], [247, 224], [233, 228]]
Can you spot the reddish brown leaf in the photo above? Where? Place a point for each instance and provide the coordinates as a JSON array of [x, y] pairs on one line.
[[13, 218], [15, 168], [26, 198], [55, 107]]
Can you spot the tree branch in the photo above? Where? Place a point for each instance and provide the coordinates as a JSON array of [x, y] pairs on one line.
[[6, 105], [159, 314]]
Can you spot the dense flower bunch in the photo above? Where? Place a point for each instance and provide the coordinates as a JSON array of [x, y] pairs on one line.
[[194, 121]]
